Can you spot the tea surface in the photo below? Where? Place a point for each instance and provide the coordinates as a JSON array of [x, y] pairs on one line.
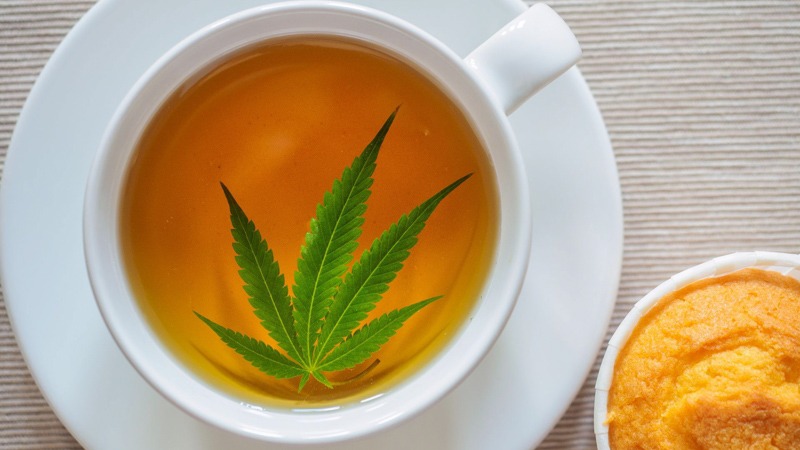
[[277, 124]]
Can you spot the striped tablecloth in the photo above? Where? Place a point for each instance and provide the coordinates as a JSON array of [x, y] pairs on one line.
[[702, 103]]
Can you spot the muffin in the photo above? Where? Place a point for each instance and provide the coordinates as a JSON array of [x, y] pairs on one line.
[[708, 360]]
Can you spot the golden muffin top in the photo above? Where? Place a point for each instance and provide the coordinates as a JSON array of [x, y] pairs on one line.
[[714, 365]]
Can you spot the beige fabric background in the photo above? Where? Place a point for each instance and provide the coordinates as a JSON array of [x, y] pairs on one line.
[[702, 103]]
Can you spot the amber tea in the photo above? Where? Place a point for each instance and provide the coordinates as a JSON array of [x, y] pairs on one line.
[[277, 123]]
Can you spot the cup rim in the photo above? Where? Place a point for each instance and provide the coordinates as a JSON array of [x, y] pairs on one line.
[[156, 364], [783, 263]]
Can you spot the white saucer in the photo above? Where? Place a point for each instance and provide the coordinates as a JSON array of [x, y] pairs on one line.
[[512, 400]]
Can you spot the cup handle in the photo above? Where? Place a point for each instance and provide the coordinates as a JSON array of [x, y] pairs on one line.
[[524, 56]]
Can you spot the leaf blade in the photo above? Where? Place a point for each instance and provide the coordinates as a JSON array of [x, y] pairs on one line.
[[369, 338], [377, 267], [262, 356], [330, 244], [264, 282]]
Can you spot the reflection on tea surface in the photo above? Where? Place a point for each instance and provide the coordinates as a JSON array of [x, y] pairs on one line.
[[277, 124]]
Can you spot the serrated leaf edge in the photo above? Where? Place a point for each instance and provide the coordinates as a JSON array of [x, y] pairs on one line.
[[391, 241], [374, 333], [311, 302]]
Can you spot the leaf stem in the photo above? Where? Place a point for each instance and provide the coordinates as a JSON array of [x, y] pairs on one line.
[[358, 376]]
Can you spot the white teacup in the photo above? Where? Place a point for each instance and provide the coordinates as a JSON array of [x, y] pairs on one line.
[[496, 78]]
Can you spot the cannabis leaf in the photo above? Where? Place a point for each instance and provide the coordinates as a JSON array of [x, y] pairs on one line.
[[318, 328]]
